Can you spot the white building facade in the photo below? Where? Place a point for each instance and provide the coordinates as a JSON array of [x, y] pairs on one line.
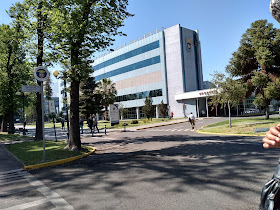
[[160, 66]]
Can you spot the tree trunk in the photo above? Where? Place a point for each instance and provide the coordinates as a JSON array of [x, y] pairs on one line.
[[4, 124], [229, 114], [74, 137], [39, 131], [10, 119], [266, 112]]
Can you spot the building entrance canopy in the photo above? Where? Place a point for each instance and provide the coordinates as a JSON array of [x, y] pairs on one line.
[[196, 95]]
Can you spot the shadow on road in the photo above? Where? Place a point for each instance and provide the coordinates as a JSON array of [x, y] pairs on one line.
[[234, 166]]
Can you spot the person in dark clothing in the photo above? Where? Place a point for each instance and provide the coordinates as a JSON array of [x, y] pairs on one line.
[[90, 123], [62, 123], [94, 119]]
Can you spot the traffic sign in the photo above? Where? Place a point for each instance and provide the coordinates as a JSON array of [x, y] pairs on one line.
[[41, 73], [26, 88]]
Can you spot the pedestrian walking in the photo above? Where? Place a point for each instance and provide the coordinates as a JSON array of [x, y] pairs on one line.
[[62, 123], [90, 123], [171, 115], [82, 124], [94, 119], [192, 120]]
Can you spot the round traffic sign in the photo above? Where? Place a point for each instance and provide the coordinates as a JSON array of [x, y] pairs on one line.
[[41, 73]]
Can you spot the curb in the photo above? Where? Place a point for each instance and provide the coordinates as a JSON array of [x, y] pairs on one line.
[[59, 162], [223, 134]]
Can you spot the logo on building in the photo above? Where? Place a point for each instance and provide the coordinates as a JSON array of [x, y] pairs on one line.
[[189, 44]]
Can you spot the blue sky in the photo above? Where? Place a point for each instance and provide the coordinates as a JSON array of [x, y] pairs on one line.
[[221, 24]]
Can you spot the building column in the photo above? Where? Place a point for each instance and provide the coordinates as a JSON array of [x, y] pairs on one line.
[[157, 112], [197, 107], [207, 107], [137, 112], [216, 106]]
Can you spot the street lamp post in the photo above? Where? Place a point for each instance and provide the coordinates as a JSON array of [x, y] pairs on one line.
[[63, 77]]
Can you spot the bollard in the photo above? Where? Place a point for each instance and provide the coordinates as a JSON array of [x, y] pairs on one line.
[[105, 129], [125, 124]]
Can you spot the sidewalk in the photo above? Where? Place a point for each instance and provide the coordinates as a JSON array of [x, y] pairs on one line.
[[7, 161]]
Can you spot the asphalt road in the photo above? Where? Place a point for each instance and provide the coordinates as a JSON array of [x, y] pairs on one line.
[[168, 167]]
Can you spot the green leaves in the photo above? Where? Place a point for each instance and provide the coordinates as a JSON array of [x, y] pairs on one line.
[[257, 61]]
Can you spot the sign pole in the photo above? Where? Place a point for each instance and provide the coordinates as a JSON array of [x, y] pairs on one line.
[[43, 121], [41, 74]]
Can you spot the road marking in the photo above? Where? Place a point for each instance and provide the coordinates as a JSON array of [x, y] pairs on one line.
[[53, 197], [20, 175], [28, 205]]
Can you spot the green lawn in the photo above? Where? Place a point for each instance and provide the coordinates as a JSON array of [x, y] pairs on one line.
[[242, 126], [31, 152]]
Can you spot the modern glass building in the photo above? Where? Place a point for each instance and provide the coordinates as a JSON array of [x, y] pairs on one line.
[[158, 65]]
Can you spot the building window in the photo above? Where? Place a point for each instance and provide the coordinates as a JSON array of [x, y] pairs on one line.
[[141, 95]]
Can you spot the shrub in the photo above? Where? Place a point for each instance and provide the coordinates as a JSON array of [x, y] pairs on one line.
[[134, 122]]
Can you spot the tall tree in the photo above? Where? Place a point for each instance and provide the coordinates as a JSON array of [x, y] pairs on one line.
[[35, 21], [230, 92], [106, 88], [148, 108], [257, 62], [80, 28], [13, 70], [90, 102], [163, 109]]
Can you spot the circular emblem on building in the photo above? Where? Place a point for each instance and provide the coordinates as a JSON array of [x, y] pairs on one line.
[[189, 44], [41, 73]]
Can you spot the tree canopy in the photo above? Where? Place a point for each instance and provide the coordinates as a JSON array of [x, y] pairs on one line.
[[257, 62]]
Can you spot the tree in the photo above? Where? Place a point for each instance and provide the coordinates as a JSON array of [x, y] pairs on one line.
[[122, 111], [90, 102], [80, 28], [229, 91], [148, 108], [13, 71], [35, 21], [48, 89], [106, 88], [257, 62], [163, 109]]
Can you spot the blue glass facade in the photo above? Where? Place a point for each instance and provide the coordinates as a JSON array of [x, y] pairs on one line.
[[129, 68], [127, 55]]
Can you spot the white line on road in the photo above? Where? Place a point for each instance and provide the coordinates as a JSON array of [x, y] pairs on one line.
[[28, 205], [52, 196]]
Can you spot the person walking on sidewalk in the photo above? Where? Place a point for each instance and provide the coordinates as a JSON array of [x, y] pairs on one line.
[[62, 123], [90, 123], [94, 119], [192, 120]]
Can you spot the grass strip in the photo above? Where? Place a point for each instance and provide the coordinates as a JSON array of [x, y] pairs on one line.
[[241, 126], [31, 152]]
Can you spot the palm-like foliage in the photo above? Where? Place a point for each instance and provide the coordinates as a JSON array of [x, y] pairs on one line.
[[106, 88]]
